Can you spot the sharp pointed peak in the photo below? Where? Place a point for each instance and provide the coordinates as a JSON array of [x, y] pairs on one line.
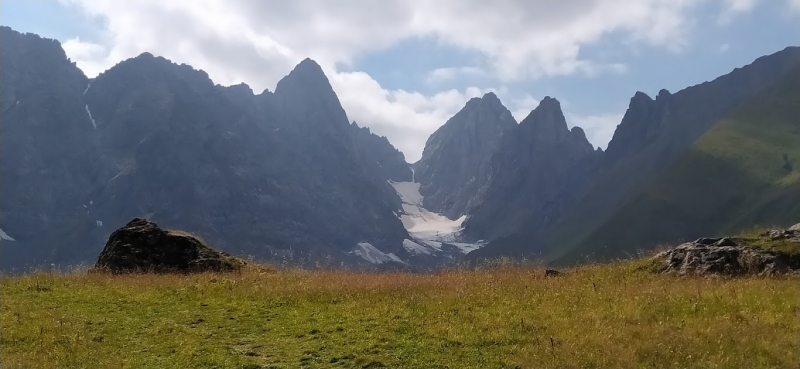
[[308, 65], [547, 100], [490, 96], [308, 61], [306, 73], [547, 121], [547, 104]]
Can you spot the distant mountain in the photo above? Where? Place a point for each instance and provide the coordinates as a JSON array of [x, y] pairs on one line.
[[537, 172], [47, 149], [506, 179], [711, 159], [743, 171], [279, 176], [455, 164], [284, 176]]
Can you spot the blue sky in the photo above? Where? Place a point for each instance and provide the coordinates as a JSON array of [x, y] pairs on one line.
[[404, 67]]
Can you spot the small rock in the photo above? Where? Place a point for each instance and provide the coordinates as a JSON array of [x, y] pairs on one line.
[[551, 273]]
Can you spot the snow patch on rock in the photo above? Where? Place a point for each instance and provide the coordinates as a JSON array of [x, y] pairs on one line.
[[415, 248], [90, 116], [5, 236], [371, 254], [420, 222], [428, 229]]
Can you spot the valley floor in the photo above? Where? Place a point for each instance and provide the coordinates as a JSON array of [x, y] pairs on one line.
[[608, 316]]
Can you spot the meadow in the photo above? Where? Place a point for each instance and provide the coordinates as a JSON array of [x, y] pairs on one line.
[[611, 315]]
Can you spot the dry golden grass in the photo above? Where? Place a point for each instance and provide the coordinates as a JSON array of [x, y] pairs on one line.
[[615, 315]]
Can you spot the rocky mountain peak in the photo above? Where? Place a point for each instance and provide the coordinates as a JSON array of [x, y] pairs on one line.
[[538, 170], [42, 47], [640, 124], [578, 136], [546, 123], [307, 96], [491, 99], [307, 76], [486, 110], [640, 96], [456, 157]]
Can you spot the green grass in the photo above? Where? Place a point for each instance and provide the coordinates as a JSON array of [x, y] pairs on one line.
[[757, 238], [615, 315]]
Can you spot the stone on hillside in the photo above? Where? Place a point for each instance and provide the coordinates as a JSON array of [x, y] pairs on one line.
[[792, 234], [142, 246], [551, 273], [727, 256]]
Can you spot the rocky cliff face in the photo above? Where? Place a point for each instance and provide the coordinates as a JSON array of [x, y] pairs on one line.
[[455, 164], [276, 175], [641, 125], [380, 156], [538, 171], [46, 149]]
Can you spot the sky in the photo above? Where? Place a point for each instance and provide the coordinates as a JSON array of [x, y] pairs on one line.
[[403, 67]]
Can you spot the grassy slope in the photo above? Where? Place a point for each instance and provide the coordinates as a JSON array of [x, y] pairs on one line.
[[732, 178], [608, 316]]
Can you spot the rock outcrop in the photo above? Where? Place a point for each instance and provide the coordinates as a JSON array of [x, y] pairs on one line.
[[142, 246], [731, 256], [792, 234]]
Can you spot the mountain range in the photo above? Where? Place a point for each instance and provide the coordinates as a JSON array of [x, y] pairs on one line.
[[286, 177]]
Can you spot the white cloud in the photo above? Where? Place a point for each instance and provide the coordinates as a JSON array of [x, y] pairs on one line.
[[258, 42], [439, 75], [795, 5], [90, 57], [724, 47], [407, 118], [523, 106], [734, 8], [599, 128]]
